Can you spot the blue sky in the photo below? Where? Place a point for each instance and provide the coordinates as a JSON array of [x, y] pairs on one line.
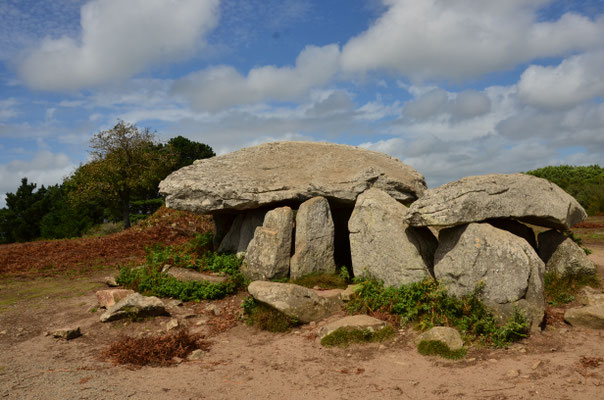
[[453, 88]]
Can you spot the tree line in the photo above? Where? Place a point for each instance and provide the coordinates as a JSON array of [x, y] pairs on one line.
[[586, 184], [120, 182]]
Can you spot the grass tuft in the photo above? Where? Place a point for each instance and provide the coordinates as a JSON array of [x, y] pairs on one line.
[[322, 280], [343, 337], [265, 317], [562, 289], [438, 348]]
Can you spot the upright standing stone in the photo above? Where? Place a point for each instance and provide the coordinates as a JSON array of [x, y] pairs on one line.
[[383, 246], [242, 231], [314, 247], [507, 266], [562, 255], [268, 253]]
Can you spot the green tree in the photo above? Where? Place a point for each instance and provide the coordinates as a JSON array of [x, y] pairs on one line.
[[186, 151], [20, 220], [126, 162]]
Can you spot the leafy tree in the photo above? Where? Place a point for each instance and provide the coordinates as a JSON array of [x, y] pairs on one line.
[[186, 151], [20, 220], [126, 162], [64, 219], [586, 184]]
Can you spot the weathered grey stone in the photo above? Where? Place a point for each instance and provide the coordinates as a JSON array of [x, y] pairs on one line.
[[292, 300], [562, 255], [314, 246], [364, 322], [268, 253], [187, 274], [383, 246], [507, 266], [108, 297], [333, 298], [196, 355], [242, 231], [222, 224], [478, 198], [591, 297], [449, 336], [517, 229], [67, 333], [134, 305], [273, 173], [587, 317]]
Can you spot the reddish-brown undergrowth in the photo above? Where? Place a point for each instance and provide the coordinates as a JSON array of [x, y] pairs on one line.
[[49, 257], [155, 350]]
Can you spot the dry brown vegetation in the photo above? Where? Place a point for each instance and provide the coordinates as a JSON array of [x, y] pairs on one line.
[[54, 257]]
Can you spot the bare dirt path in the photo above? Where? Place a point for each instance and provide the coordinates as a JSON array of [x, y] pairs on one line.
[[244, 363]]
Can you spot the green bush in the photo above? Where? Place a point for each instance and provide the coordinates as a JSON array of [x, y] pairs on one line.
[[427, 304], [150, 280]]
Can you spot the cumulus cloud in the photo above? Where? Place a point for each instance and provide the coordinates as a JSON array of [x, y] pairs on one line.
[[454, 106], [7, 109], [45, 168], [118, 40], [223, 86], [460, 39], [573, 81]]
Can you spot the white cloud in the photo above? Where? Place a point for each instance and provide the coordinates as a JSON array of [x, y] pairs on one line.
[[45, 168], [453, 106], [7, 109], [461, 39], [575, 80], [119, 39], [221, 87]]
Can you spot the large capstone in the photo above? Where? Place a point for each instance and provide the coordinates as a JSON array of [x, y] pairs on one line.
[[268, 253], [506, 267], [383, 246], [478, 198], [314, 247], [285, 173]]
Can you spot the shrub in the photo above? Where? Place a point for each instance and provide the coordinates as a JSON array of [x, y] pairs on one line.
[[427, 304]]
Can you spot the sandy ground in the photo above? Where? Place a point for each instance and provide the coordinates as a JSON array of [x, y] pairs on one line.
[[244, 363]]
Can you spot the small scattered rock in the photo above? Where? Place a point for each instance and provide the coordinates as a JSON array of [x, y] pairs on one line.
[[512, 373], [3, 332], [354, 321], [448, 336], [108, 297], [215, 309], [110, 281], [172, 324], [196, 355], [536, 364], [134, 305], [67, 333], [347, 293], [587, 317]]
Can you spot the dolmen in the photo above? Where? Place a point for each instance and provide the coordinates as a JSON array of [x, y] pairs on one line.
[[297, 208]]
